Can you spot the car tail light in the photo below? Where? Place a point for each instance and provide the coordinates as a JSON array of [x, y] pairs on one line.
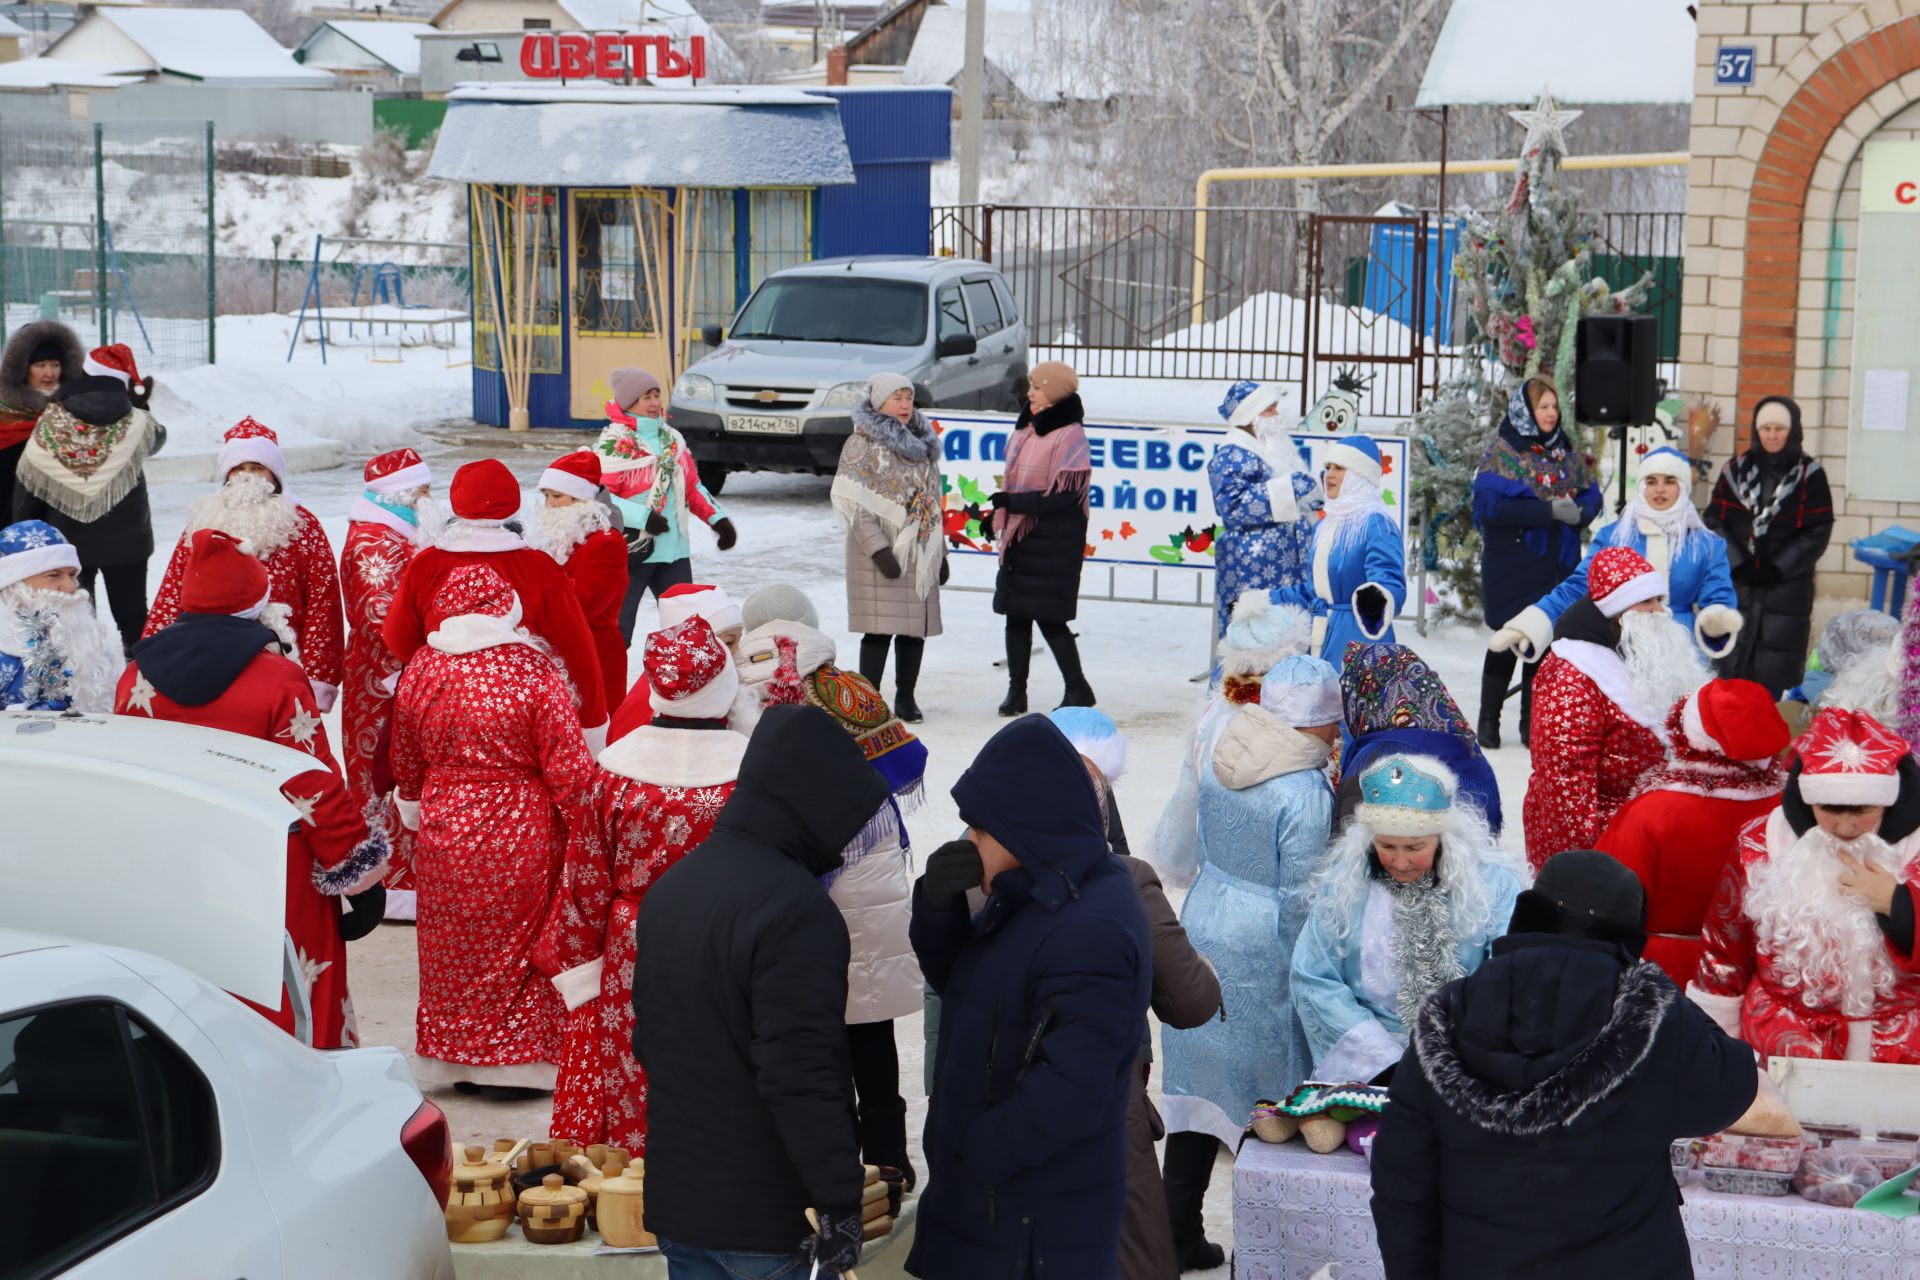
[[425, 1140]]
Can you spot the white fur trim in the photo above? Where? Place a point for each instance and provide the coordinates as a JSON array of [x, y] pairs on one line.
[[391, 683], [1533, 623], [364, 512], [253, 611], [26, 564], [324, 694], [402, 904], [677, 757], [409, 811], [570, 484], [1633, 591], [1724, 1010], [580, 983], [1717, 620], [1342, 454], [1386, 614], [712, 701], [405, 480], [1358, 1056], [1394, 820], [1257, 401], [472, 632], [1859, 1040], [478, 535], [1109, 754], [1850, 788], [596, 738], [1671, 465], [721, 613], [1695, 728], [1609, 673], [760, 658], [98, 370], [253, 449]]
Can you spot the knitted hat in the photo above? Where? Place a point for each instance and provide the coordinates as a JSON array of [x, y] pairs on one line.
[[251, 441], [1357, 454], [699, 600], [777, 602], [1585, 894], [485, 490], [1667, 461], [33, 547], [1303, 691], [1055, 381], [1095, 736], [1848, 757], [1406, 795], [630, 384], [1620, 578], [690, 675], [1261, 633], [882, 386], [395, 472], [222, 576], [115, 361], [473, 590], [1736, 719], [575, 474]]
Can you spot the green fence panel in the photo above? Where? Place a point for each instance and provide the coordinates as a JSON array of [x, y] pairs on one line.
[[417, 118], [1621, 270]]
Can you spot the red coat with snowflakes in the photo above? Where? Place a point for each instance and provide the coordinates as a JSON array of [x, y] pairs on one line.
[[657, 795], [303, 578], [1588, 758], [597, 567], [371, 564], [329, 851], [549, 607], [491, 770], [1736, 981]]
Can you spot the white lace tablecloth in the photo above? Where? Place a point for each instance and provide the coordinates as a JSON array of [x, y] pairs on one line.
[[1294, 1212]]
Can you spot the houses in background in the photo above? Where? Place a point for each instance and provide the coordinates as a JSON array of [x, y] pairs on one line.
[[365, 53]]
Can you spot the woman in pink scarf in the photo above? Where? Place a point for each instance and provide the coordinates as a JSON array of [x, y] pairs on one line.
[[1040, 523]]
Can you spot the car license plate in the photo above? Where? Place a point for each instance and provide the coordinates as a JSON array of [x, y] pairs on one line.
[[763, 425]]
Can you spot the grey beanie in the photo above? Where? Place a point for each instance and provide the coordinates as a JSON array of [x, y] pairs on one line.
[[881, 386], [630, 384], [778, 602]]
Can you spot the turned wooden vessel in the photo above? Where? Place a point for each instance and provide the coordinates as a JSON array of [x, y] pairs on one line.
[[622, 1209], [553, 1212], [479, 1202], [592, 1187]]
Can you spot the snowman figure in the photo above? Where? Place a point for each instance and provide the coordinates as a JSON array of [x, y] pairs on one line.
[[1337, 411]]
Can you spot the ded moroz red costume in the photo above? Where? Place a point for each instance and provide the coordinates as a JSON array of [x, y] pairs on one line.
[[582, 538], [286, 537], [677, 604], [216, 666], [657, 794], [1681, 830], [490, 771]]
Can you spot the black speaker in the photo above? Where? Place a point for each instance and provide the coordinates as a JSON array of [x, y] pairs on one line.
[[1613, 377]]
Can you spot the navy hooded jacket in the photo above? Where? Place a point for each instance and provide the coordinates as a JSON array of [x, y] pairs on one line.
[[1043, 1005]]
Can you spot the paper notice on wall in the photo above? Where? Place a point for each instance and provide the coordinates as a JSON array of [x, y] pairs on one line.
[[1884, 402]]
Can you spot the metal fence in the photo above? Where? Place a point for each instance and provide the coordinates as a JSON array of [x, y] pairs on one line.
[[1279, 294], [108, 227]]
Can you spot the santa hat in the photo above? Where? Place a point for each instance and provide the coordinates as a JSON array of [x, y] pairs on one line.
[[115, 361], [690, 673], [33, 547], [1667, 461], [576, 474], [1406, 795], [699, 600], [473, 591], [484, 490], [251, 441], [395, 472], [1620, 578], [1246, 401], [223, 576], [1847, 758], [1095, 736], [1358, 454], [1261, 633], [1302, 691], [1736, 719]]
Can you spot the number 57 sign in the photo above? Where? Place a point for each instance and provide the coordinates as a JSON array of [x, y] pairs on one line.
[[1734, 65]]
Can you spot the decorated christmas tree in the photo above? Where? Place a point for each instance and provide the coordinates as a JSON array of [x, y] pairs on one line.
[[1526, 277]]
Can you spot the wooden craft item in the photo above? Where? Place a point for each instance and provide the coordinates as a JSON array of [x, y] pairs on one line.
[[576, 1168], [873, 1209], [873, 1191], [874, 1230], [479, 1202], [621, 1211], [553, 1212], [1323, 1133], [597, 1153], [1275, 1126], [508, 1152], [592, 1187]]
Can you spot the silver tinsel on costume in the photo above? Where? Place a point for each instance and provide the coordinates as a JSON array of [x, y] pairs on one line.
[[1424, 947], [49, 676]]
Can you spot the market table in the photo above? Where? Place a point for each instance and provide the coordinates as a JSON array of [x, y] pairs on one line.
[[1294, 1212], [512, 1258]]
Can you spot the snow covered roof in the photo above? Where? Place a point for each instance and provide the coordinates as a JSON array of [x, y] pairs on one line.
[[395, 43], [1047, 61], [67, 73], [215, 45], [1502, 52], [8, 27], [590, 136]]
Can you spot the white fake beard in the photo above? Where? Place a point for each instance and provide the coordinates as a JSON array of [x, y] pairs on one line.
[[558, 530], [1661, 657], [89, 644], [246, 507], [278, 618], [429, 518], [1870, 684], [1820, 941]]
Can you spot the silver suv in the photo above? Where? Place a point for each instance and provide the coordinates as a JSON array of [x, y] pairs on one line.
[[777, 393]]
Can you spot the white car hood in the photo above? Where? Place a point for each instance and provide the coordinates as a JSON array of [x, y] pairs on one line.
[[165, 838]]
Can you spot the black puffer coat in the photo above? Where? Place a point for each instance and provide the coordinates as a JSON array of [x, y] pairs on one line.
[[1040, 576], [124, 535], [740, 997], [1527, 1130], [20, 405]]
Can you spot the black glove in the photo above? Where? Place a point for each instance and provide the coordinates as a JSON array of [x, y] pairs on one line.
[[997, 501], [639, 541], [364, 912], [837, 1247], [886, 562], [952, 870], [724, 531], [1370, 602], [946, 570], [657, 524]]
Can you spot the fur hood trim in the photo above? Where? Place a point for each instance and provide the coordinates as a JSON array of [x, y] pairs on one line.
[[13, 363], [913, 440], [1640, 1004], [677, 757]]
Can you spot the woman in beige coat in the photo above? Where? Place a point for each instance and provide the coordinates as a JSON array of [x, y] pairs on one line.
[[888, 491]]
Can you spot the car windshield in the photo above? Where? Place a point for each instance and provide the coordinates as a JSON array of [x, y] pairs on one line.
[[850, 308]]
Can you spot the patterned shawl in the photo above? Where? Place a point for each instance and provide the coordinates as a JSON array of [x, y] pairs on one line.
[[1389, 686], [1059, 460], [891, 471], [1549, 467], [81, 470], [1748, 477]]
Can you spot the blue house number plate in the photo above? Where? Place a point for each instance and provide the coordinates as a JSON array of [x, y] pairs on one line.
[[1734, 65]]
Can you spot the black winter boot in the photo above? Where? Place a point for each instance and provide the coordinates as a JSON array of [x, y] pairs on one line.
[[1495, 670], [1188, 1169], [907, 650], [873, 658], [1019, 661], [1066, 654]]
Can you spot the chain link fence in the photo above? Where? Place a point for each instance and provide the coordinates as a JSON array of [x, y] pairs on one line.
[[108, 227]]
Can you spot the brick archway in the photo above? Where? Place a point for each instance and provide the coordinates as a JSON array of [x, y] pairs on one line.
[[1777, 207]]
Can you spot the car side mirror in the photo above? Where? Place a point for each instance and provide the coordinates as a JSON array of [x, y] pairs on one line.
[[956, 344], [711, 334]]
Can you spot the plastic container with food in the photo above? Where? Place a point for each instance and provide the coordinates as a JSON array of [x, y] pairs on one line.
[[1768, 1155], [1822, 1134], [1748, 1182], [1680, 1155], [1891, 1158]]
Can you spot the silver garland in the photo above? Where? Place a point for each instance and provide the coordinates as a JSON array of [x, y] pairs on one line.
[[1425, 951], [47, 675]]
